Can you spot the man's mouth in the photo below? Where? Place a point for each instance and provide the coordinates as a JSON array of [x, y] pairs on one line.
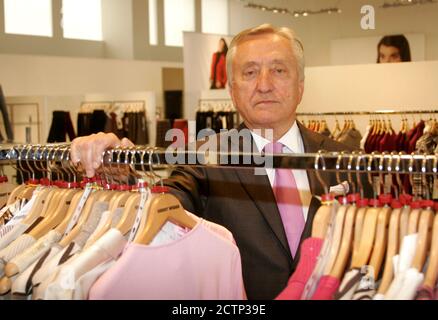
[[265, 102]]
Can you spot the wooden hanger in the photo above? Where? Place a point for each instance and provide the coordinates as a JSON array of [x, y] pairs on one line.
[[49, 205], [392, 250], [404, 223], [163, 207], [5, 191], [106, 195], [42, 201], [431, 275], [358, 225], [414, 217], [424, 237], [346, 243], [337, 237], [57, 216], [317, 126], [92, 198], [15, 193], [120, 202], [27, 192], [380, 241], [337, 129], [322, 218], [5, 285], [367, 238], [323, 126], [321, 221], [71, 209], [22, 191], [129, 213], [47, 224]]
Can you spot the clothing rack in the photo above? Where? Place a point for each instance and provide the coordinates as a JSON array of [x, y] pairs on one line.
[[108, 106], [216, 105], [152, 158], [359, 113]]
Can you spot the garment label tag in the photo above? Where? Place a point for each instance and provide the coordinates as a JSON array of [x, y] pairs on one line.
[[417, 185], [169, 233], [74, 219], [144, 195]]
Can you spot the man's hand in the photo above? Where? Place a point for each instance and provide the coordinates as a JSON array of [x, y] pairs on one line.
[[88, 150]]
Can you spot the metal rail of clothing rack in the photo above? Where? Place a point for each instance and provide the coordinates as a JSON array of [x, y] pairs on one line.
[[145, 157]]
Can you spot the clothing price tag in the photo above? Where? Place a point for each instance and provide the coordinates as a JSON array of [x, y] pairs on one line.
[[74, 219], [144, 195]]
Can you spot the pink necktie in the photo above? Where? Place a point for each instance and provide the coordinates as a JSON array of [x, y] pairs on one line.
[[288, 201]]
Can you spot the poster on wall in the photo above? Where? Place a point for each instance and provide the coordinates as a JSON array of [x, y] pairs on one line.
[[204, 69]]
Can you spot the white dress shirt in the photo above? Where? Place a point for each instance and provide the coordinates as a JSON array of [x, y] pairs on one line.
[[292, 143]]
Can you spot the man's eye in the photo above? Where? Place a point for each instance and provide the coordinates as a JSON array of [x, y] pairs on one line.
[[249, 73]]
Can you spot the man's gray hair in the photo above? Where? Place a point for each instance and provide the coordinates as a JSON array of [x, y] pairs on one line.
[[289, 34]]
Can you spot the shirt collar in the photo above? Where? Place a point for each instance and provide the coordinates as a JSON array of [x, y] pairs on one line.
[[291, 140]]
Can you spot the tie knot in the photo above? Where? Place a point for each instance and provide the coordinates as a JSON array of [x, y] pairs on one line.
[[274, 147]]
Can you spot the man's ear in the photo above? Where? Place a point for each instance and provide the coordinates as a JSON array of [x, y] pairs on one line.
[[300, 91], [231, 92]]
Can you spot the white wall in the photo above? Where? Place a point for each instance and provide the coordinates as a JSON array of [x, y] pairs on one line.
[[318, 31], [61, 82], [47, 75]]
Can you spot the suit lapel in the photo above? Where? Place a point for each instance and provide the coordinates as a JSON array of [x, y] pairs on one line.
[[307, 232], [260, 191], [312, 144]]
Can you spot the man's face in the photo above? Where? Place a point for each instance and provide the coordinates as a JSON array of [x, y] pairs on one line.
[[265, 87], [388, 54]]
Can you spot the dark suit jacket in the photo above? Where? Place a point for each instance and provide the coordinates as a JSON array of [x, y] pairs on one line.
[[245, 204]]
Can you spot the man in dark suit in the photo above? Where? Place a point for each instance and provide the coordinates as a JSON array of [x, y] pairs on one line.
[[266, 81]]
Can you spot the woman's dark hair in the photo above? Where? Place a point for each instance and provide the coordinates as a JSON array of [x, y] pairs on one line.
[[225, 48], [400, 42]]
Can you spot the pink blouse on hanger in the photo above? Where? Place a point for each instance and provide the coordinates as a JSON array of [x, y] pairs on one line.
[[200, 265]]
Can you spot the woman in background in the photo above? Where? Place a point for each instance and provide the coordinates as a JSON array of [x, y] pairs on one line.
[[218, 74], [393, 48]]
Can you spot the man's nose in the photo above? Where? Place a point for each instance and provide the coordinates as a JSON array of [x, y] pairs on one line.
[[264, 81]]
